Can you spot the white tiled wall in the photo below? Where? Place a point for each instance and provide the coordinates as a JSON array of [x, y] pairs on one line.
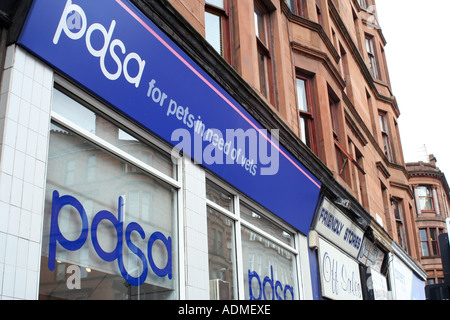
[[195, 233], [25, 103]]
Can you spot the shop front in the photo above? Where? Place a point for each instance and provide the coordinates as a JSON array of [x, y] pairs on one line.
[[350, 262], [159, 184], [337, 241]]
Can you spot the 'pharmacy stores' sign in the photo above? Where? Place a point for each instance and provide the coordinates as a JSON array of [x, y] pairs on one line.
[[112, 49]]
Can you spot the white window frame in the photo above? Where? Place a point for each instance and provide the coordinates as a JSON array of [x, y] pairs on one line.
[[144, 136]]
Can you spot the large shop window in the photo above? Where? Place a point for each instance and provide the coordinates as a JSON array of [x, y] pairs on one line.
[[111, 208], [265, 249]]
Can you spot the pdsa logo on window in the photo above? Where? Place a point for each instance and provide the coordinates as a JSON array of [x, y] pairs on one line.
[[123, 234]]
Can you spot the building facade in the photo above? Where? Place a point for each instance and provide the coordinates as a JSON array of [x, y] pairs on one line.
[[431, 192], [191, 149]]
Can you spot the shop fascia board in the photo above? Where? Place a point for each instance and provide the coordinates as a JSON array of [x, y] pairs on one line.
[[170, 21], [406, 259], [333, 190]]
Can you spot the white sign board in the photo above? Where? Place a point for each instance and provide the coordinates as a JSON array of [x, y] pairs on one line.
[[339, 274], [333, 225], [402, 280], [377, 282]]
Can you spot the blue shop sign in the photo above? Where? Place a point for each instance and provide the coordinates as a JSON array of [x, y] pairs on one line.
[[113, 50]]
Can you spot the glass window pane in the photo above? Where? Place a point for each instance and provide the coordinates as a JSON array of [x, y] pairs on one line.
[[425, 251], [435, 248], [122, 208], [263, 223], [269, 270], [301, 95], [219, 196], [369, 47], [424, 242], [213, 30], [221, 256], [426, 203], [71, 109], [260, 25], [434, 241], [217, 3], [304, 131], [95, 124], [423, 235], [424, 191], [382, 125], [398, 211], [262, 73], [291, 5]]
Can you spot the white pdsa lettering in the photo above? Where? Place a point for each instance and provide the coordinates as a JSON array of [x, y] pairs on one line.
[[76, 31]]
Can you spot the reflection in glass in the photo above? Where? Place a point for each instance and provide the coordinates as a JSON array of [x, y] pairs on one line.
[[219, 196], [217, 3], [263, 223], [104, 129], [301, 95], [213, 31], [425, 198], [80, 169], [221, 256], [269, 270]]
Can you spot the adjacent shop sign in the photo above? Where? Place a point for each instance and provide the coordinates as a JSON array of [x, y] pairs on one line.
[[332, 224], [112, 49], [406, 285], [339, 274]]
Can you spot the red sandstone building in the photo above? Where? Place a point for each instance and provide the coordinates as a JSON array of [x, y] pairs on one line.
[[431, 192], [313, 69], [320, 67]]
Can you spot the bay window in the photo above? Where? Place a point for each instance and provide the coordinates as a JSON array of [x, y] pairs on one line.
[[429, 241], [425, 195]]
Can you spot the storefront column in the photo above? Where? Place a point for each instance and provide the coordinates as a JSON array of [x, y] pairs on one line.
[[195, 233], [26, 92]]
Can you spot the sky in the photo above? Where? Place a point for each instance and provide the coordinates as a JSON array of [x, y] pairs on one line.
[[418, 57]]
